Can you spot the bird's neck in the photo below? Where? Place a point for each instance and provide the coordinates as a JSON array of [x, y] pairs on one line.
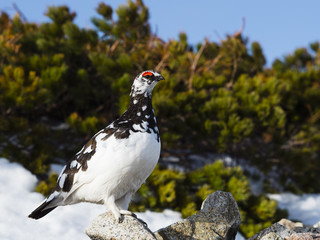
[[138, 100], [139, 117], [140, 105]]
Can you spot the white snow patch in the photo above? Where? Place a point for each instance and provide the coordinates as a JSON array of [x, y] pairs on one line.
[[171, 159], [64, 168], [239, 237], [61, 126], [166, 218], [304, 208], [18, 200], [57, 168]]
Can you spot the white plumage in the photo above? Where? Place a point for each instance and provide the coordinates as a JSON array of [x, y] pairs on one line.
[[111, 167], [132, 161]]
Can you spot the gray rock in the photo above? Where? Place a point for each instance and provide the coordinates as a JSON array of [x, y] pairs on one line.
[[289, 224], [277, 229], [271, 236], [219, 218], [288, 230], [307, 229], [304, 236], [105, 227]]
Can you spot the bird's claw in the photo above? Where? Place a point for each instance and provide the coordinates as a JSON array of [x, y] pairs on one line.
[[125, 212], [143, 222], [120, 219]]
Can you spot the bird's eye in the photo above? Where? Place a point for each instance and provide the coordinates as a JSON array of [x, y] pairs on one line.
[[147, 74]]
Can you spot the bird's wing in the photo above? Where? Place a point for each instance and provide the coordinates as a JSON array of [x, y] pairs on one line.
[[67, 181], [77, 167]]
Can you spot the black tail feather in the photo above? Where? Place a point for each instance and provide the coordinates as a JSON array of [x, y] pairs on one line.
[[41, 211]]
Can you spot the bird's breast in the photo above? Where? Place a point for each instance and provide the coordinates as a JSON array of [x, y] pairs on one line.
[[132, 158]]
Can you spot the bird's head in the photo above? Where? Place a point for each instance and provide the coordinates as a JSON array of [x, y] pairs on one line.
[[145, 82]]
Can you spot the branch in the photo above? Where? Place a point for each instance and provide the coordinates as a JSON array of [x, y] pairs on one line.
[[23, 17], [195, 62], [114, 45], [234, 70], [235, 57], [215, 61], [241, 29], [164, 58]]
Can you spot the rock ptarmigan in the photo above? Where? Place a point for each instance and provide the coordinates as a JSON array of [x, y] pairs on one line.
[[112, 166]]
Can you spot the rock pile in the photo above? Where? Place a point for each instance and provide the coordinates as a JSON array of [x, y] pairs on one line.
[[287, 230], [218, 219]]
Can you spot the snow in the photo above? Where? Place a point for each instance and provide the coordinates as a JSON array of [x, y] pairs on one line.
[[157, 220], [18, 199], [57, 168], [304, 208]]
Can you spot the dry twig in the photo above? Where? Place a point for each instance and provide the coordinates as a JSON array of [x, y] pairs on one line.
[[195, 62]]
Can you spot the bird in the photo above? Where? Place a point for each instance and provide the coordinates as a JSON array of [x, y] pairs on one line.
[[116, 161]]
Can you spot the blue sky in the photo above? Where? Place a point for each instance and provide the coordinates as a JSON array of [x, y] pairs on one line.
[[280, 26]]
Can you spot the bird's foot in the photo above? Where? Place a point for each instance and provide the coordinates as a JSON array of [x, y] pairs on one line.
[[143, 222], [126, 212]]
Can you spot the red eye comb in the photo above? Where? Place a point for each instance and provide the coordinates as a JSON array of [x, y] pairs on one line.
[[147, 74]]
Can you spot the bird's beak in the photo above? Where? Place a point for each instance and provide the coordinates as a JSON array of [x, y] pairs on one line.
[[159, 78]]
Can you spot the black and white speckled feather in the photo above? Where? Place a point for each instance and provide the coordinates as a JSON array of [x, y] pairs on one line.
[[116, 161]]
